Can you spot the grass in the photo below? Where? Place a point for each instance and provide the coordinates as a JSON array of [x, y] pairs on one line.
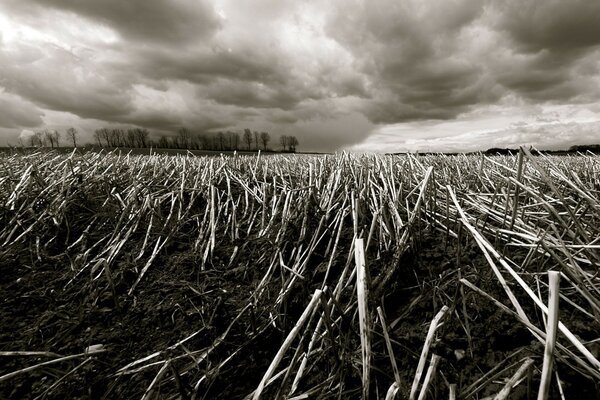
[[306, 276]]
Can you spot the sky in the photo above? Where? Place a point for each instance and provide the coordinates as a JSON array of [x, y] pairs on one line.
[[363, 75]]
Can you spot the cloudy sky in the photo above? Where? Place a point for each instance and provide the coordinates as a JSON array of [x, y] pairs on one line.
[[377, 75]]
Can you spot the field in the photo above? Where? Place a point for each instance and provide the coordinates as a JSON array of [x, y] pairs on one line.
[[339, 276]]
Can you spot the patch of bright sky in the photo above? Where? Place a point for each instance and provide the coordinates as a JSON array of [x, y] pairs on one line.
[[71, 31], [473, 131]]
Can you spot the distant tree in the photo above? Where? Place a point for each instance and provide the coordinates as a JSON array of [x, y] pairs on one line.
[[594, 148], [256, 140], [198, 140], [183, 138], [72, 135], [208, 142], [49, 137], [283, 140], [163, 142], [97, 137], [292, 142], [228, 141], [234, 139], [130, 138], [113, 137], [215, 142], [265, 138], [221, 140], [105, 134], [56, 137], [141, 137], [37, 139], [248, 138], [110, 137], [118, 136]]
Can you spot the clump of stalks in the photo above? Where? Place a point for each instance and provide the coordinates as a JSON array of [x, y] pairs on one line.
[[328, 248]]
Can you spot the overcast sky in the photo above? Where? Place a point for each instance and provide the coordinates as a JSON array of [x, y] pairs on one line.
[[380, 75]]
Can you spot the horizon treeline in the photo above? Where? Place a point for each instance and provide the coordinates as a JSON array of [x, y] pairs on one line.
[[184, 139]]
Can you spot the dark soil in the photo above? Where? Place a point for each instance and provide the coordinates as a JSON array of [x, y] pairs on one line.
[[41, 311]]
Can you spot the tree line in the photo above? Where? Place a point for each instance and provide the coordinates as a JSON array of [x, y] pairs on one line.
[[184, 139], [225, 141], [51, 138]]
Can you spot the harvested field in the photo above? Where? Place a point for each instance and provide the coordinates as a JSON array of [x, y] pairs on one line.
[[343, 276]]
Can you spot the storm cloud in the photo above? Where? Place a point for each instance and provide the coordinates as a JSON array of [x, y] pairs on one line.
[[334, 73]]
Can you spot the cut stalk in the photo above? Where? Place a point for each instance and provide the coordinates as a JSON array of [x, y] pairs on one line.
[[362, 291], [503, 394], [287, 343], [551, 331], [425, 352]]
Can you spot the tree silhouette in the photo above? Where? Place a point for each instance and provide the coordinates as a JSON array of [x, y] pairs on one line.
[[72, 134], [292, 142], [183, 138], [265, 138], [221, 140], [256, 139], [51, 137], [141, 136], [248, 138]]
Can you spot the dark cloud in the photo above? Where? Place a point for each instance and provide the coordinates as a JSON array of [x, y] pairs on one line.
[[204, 65], [17, 113], [252, 94], [427, 60], [58, 80], [410, 51], [324, 70], [554, 25], [547, 77], [162, 21], [550, 46]]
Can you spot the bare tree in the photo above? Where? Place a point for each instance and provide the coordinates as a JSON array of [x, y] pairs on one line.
[[113, 137], [248, 138], [108, 136], [117, 137], [72, 134], [105, 136], [37, 139], [130, 138], [52, 137], [163, 142], [142, 135], [49, 137], [207, 142], [293, 142], [265, 138], [98, 137], [284, 142], [221, 140], [56, 135], [234, 138], [198, 140], [183, 138], [256, 140]]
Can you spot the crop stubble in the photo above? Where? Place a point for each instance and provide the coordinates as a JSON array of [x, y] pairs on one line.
[[339, 276]]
